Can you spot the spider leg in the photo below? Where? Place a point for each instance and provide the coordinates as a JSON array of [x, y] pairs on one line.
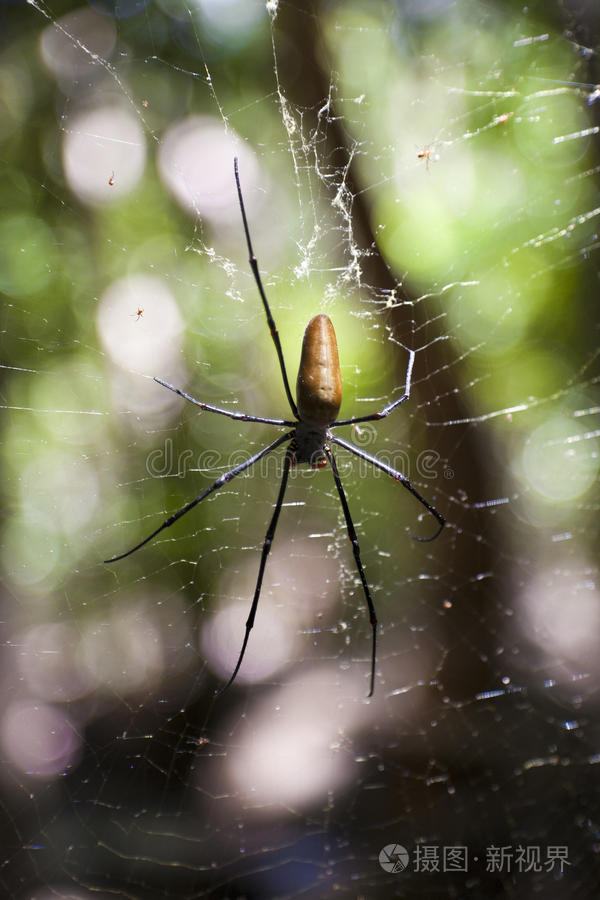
[[387, 409], [263, 561], [397, 476], [374, 416], [221, 480], [231, 414], [263, 296], [356, 550]]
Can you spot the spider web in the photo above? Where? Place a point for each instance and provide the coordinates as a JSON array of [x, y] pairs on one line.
[[426, 174]]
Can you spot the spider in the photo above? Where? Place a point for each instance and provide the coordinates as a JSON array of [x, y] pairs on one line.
[[137, 315], [318, 400]]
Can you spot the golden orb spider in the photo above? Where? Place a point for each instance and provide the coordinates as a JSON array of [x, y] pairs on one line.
[[319, 397]]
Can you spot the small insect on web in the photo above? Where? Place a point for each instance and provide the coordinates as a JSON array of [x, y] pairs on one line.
[[426, 153], [318, 400]]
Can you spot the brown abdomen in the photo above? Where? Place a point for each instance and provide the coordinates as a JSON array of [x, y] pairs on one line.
[[319, 385]]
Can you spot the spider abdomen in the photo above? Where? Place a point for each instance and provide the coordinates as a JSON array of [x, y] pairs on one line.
[[319, 384]]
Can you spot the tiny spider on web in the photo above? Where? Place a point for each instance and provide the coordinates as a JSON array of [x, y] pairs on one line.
[[318, 400], [138, 314]]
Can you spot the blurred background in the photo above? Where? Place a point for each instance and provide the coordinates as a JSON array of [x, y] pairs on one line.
[[426, 173]]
